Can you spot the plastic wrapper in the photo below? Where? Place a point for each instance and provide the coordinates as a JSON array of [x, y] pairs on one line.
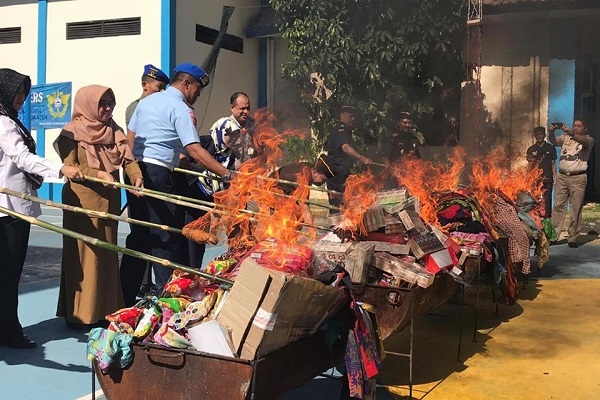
[[169, 338], [184, 284], [216, 267], [287, 257], [129, 316], [147, 323]]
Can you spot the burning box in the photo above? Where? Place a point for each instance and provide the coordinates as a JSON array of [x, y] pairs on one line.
[[407, 271], [358, 261], [411, 203], [422, 245], [335, 252], [440, 260], [374, 219], [393, 224], [387, 197], [412, 221], [268, 309], [392, 248]]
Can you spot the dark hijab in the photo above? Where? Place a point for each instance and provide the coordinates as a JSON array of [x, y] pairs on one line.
[[10, 81]]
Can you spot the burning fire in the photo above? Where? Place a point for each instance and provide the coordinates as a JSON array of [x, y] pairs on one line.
[[493, 173], [424, 180], [360, 195], [254, 207]]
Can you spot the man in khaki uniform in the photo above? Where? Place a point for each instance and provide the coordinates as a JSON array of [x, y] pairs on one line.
[[576, 146]]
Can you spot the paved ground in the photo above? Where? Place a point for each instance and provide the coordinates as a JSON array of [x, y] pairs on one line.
[[544, 347]]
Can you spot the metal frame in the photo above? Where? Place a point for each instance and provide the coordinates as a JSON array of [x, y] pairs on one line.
[[474, 11], [476, 305], [410, 354]]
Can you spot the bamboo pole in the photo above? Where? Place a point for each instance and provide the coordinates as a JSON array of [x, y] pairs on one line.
[[93, 213], [176, 199], [201, 175], [114, 247]]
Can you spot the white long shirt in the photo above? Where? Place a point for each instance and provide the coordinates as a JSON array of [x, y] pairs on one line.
[[16, 158]]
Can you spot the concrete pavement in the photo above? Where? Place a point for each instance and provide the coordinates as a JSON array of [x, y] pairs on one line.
[[545, 346]]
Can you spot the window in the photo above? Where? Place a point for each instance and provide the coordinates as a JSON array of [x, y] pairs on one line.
[[104, 28], [10, 35]]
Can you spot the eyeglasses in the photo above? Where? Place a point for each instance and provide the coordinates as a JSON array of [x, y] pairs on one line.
[[106, 104]]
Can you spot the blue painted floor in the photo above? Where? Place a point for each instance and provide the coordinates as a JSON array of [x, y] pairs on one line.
[[57, 369]]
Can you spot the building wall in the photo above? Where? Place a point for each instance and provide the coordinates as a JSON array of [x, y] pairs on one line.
[[524, 59], [234, 71], [514, 84], [116, 62], [20, 56]]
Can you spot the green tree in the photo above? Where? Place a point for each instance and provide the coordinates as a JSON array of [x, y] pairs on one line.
[[379, 55]]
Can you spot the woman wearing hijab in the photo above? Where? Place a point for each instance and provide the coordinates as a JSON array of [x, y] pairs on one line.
[[90, 287], [20, 170]]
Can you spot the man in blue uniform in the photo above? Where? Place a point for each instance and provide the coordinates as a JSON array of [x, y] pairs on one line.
[[163, 128], [153, 81], [341, 153]]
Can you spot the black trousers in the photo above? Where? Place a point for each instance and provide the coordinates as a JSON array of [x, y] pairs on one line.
[[159, 243], [189, 188], [133, 269], [547, 195], [337, 183], [14, 238]]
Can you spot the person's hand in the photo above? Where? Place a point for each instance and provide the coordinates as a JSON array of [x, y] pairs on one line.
[[566, 130], [139, 182], [185, 163], [229, 175], [366, 160], [105, 176], [72, 173]]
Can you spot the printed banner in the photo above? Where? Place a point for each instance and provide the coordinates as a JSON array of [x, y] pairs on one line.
[[50, 105]]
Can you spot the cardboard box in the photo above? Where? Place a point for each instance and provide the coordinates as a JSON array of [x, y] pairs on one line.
[[392, 248], [408, 272], [412, 221], [387, 197], [359, 260], [268, 309], [335, 252], [440, 260], [374, 219]]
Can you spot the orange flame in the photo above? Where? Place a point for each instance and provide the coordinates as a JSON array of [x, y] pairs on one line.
[[255, 188], [359, 196], [424, 180], [494, 172]]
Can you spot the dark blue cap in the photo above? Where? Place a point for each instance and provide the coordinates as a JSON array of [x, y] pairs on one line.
[[194, 71], [155, 73]]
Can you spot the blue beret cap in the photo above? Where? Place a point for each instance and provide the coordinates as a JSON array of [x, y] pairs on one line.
[[153, 72], [194, 71]]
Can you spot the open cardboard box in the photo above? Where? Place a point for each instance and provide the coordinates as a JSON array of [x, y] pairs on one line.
[[267, 309]]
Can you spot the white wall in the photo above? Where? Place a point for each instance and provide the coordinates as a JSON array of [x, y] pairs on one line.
[[116, 62], [22, 56], [234, 71]]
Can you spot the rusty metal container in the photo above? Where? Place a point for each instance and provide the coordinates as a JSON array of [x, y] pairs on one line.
[[162, 373]]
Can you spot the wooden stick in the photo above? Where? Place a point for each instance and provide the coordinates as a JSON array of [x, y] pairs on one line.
[[93, 213], [316, 188], [114, 247], [183, 201]]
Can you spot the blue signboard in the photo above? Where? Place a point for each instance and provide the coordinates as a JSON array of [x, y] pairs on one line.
[[50, 105]]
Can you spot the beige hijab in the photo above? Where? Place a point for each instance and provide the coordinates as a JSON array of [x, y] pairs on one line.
[[105, 143]]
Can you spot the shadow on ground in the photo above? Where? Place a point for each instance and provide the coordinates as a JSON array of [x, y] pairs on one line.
[[45, 332]]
